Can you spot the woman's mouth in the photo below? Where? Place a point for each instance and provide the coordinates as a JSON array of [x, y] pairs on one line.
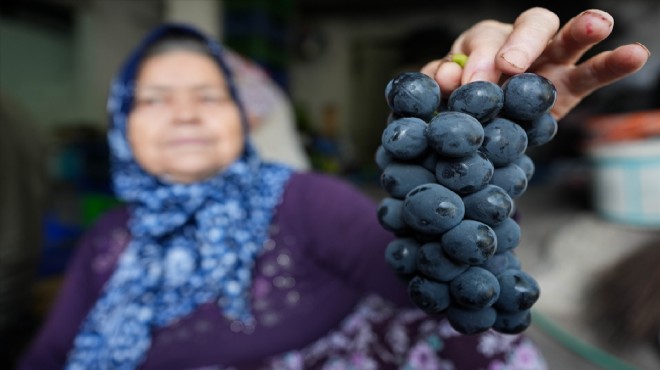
[[189, 142]]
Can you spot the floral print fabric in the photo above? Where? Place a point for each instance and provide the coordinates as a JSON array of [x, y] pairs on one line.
[[378, 336]]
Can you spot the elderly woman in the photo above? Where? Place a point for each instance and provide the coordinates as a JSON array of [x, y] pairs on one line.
[[220, 260]]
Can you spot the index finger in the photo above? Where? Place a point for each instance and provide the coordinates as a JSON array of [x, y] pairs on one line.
[[532, 31], [481, 43]]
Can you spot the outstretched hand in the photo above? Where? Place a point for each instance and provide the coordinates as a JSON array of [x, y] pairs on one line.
[[535, 43]]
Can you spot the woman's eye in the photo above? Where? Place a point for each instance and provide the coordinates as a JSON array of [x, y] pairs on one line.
[[213, 98], [210, 99], [149, 101]]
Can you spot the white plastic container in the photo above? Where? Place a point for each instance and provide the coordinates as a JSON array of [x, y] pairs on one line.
[[626, 181]]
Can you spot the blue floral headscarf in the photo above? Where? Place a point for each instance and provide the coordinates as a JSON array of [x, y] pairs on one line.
[[191, 243]]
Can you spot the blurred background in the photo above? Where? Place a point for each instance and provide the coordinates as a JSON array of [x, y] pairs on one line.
[[594, 201]]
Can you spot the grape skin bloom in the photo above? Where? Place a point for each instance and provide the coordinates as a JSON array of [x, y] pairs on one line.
[[454, 134], [405, 138], [432, 209]]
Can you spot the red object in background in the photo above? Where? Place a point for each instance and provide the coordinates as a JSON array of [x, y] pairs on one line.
[[623, 127]]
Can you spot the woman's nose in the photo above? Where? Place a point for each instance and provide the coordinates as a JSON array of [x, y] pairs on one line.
[[186, 111]]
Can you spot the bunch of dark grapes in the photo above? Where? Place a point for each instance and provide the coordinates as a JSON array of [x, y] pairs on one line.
[[452, 169]]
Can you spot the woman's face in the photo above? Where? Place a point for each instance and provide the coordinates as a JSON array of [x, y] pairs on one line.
[[184, 125]]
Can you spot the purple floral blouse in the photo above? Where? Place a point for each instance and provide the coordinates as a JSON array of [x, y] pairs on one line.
[[322, 295]]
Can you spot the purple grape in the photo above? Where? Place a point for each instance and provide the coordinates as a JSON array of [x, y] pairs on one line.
[[511, 178], [518, 291], [429, 160], [475, 288], [490, 205], [401, 255], [540, 130], [454, 134], [432, 209], [527, 165], [434, 263], [527, 96], [513, 260], [413, 94], [469, 242], [508, 235], [512, 322], [504, 141], [470, 322], [405, 138], [497, 264], [480, 99], [400, 178], [390, 216], [383, 158], [466, 174], [429, 295]]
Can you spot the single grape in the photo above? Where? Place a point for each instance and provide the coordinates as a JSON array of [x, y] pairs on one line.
[[454, 134], [390, 215], [413, 94], [490, 205], [466, 174], [513, 260], [475, 288], [400, 178], [527, 165], [401, 255], [518, 291], [405, 138], [511, 178], [470, 322], [480, 99], [429, 295], [383, 158], [540, 130], [432, 209], [429, 160], [527, 96], [469, 242], [504, 141], [434, 263], [508, 235], [512, 322], [499, 263]]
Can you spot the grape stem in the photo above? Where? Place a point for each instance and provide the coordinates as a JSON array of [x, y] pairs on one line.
[[460, 59]]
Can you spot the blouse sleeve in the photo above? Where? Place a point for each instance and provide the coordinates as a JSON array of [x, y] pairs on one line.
[[82, 282], [348, 239]]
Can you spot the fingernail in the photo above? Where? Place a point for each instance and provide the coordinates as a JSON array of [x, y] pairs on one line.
[[479, 76], [516, 58], [596, 14], [645, 48]]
